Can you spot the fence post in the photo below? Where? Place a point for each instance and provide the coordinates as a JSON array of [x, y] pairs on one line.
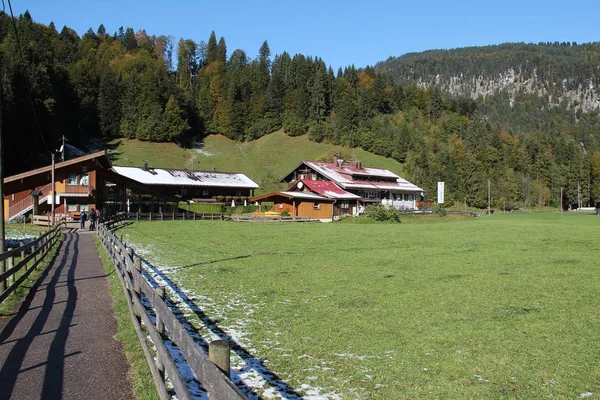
[[23, 257], [160, 327], [11, 263], [219, 352]]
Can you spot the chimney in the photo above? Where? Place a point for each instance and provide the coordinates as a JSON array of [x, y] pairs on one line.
[[145, 165], [358, 164]]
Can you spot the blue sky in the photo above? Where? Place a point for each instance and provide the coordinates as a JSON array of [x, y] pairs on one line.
[[340, 32]]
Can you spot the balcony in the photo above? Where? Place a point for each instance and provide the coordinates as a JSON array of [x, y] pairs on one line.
[[84, 190]]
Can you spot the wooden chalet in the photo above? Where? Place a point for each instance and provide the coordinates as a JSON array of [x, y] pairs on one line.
[[78, 186], [313, 199], [371, 185]]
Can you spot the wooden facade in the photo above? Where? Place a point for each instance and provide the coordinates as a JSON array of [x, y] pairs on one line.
[[78, 187], [314, 208]]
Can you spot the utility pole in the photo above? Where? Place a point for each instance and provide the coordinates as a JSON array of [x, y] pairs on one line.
[[489, 198], [561, 201], [62, 148], [53, 194]]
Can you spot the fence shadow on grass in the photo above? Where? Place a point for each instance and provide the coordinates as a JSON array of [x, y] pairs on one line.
[[252, 363]]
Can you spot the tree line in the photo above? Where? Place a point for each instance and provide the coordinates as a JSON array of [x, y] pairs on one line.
[[133, 85]]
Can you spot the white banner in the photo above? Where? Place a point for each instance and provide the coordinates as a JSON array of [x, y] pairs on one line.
[[440, 194]]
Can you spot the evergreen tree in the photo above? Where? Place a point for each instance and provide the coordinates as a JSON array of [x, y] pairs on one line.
[[222, 51], [172, 125], [212, 52]]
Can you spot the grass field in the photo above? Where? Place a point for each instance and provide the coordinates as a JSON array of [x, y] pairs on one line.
[[274, 154], [503, 306]]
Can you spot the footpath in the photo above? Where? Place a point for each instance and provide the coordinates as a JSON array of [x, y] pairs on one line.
[[60, 343]]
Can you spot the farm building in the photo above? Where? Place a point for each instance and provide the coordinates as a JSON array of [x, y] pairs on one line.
[[188, 185], [91, 181], [371, 185], [313, 199]]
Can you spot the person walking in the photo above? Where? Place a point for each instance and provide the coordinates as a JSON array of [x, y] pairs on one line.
[[82, 219], [92, 219]]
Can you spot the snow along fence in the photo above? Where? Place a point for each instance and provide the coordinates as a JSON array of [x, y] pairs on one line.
[[30, 255], [159, 323]]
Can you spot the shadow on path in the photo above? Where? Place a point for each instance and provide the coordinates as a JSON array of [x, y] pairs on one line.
[[55, 362]]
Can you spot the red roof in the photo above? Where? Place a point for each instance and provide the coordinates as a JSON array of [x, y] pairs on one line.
[[327, 189]]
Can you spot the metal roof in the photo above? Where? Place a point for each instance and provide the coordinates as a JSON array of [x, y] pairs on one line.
[[182, 177], [304, 195], [328, 189], [365, 178]]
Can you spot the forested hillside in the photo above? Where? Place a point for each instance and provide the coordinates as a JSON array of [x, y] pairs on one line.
[[561, 73], [158, 88]]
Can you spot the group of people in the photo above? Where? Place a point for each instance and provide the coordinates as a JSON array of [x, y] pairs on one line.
[[93, 216]]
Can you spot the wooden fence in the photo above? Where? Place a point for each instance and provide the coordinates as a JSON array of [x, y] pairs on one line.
[[174, 216], [213, 376], [30, 256], [255, 218]]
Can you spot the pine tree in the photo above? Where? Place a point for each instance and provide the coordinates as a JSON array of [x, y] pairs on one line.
[[222, 51], [172, 124], [212, 53], [129, 40]]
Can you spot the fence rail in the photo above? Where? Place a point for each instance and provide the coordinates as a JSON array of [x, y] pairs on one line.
[[174, 216], [255, 218], [135, 287], [31, 255]]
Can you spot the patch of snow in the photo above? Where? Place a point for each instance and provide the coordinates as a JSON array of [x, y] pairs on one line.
[[248, 372]]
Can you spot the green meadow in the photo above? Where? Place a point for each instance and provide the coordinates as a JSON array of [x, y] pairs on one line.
[[502, 306], [269, 157]]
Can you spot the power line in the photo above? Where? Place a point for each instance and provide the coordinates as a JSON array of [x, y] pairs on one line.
[[26, 78]]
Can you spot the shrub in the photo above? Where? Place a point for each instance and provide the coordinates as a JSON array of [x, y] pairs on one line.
[[285, 214], [379, 212]]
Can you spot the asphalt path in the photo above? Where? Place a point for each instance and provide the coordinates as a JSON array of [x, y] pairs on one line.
[[59, 343]]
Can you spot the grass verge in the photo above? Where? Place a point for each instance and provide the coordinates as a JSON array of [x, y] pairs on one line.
[[139, 372], [7, 307]]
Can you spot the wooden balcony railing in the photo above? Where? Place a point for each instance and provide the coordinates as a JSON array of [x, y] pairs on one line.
[[78, 189]]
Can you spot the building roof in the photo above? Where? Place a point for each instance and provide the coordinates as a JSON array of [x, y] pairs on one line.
[[326, 189], [99, 156], [352, 175], [182, 177], [293, 195]]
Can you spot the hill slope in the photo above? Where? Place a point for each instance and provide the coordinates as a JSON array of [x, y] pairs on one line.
[[564, 73], [264, 160]]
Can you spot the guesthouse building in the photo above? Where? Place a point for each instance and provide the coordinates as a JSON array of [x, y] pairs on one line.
[[370, 185]]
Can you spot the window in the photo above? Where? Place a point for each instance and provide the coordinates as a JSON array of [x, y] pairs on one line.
[[71, 207], [183, 191], [72, 179], [84, 207], [344, 204], [205, 193], [317, 206], [281, 205], [85, 180]]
